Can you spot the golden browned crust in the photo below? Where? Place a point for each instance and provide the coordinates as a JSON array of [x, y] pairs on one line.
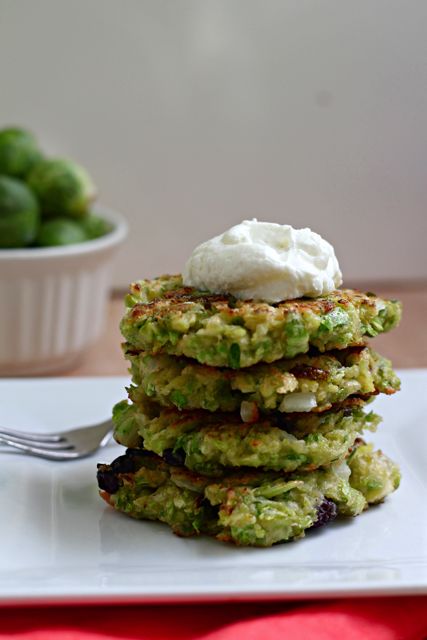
[[180, 299]]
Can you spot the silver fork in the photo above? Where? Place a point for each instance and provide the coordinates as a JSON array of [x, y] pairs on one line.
[[63, 445]]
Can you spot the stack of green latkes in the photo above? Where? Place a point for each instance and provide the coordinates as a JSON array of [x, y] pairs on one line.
[[244, 419]]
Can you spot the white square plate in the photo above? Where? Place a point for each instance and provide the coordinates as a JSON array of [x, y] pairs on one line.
[[59, 541]]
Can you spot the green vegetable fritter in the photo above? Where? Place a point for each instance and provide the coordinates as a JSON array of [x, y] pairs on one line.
[[251, 508], [210, 443], [308, 382], [218, 330], [372, 473]]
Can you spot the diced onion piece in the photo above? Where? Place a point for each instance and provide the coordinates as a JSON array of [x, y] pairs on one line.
[[249, 411], [298, 402]]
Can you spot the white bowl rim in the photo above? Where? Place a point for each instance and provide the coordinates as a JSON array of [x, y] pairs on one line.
[[110, 239]]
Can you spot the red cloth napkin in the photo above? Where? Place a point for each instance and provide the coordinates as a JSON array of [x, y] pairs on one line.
[[358, 619]]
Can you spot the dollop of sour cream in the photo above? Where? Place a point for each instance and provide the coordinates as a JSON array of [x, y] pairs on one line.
[[264, 261]]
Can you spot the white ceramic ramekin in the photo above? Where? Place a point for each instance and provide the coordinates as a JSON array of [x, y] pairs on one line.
[[53, 301]]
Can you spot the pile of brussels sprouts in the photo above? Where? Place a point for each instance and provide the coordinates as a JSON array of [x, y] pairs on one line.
[[44, 202]]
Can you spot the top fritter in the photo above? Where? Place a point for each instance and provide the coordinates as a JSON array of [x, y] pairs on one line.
[[218, 330]]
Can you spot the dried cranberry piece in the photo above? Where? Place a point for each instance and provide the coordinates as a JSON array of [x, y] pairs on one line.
[[107, 479], [123, 464], [175, 458], [326, 512]]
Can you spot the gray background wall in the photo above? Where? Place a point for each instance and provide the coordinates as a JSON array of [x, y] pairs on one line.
[[194, 114]]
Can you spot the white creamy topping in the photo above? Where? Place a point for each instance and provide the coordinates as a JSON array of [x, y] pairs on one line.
[[264, 261]]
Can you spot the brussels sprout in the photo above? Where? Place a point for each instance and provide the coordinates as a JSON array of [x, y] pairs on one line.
[[59, 232], [95, 226], [19, 152], [63, 188], [19, 214]]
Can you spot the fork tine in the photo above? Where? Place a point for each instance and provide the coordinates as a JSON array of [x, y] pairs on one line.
[[35, 437], [51, 454], [61, 445], [65, 445]]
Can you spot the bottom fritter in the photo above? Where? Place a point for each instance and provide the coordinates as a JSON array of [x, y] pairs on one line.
[[247, 507]]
